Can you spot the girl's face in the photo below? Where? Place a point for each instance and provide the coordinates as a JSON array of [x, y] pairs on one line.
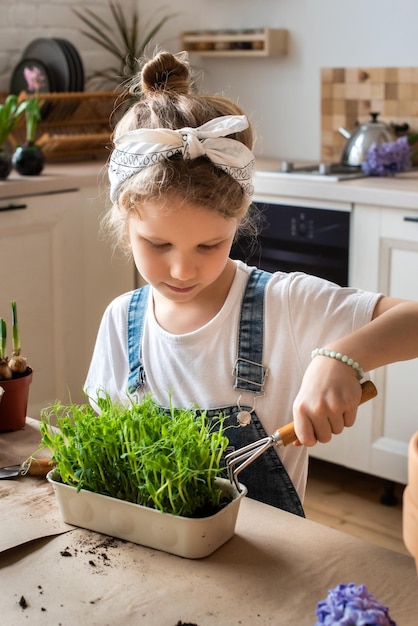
[[179, 248]]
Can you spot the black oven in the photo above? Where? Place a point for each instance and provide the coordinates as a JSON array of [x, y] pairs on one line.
[[298, 238]]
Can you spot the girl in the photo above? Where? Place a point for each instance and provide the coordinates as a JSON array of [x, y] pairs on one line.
[[211, 332]]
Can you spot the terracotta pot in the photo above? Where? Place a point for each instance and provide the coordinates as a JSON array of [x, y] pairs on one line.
[[410, 501], [14, 402]]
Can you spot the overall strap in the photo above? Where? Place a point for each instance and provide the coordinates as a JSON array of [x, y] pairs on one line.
[[136, 316], [267, 479], [249, 371]]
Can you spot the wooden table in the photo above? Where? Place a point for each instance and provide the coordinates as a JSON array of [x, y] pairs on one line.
[[273, 571]]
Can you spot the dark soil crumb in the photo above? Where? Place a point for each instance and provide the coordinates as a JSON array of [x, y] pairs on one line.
[[22, 602], [100, 553], [66, 553], [180, 623], [100, 550]]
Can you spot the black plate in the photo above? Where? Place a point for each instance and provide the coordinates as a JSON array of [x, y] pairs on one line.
[[72, 85], [50, 53], [18, 81], [75, 62]]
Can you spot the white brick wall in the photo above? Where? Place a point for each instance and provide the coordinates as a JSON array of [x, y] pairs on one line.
[[22, 21]]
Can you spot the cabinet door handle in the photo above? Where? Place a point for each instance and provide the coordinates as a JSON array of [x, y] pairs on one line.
[[410, 219], [13, 207]]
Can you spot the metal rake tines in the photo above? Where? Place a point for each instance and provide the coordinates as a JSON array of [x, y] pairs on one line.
[[239, 459]]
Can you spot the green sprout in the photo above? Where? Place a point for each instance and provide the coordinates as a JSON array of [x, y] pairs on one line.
[[10, 113], [17, 362], [15, 330], [3, 338], [33, 117], [5, 371], [141, 453]]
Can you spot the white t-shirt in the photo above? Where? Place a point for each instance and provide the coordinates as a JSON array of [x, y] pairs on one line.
[[302, 313]]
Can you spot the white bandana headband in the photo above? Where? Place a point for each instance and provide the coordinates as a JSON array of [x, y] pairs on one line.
[[144, 147]]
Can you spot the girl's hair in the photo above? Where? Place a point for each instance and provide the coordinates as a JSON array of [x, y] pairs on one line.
[[166, 98]]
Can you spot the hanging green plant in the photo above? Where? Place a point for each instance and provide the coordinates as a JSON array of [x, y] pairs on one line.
[[122, 37]]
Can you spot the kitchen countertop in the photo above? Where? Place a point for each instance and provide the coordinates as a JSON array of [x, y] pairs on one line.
[[399, 191], [55, 177], [273, 571]]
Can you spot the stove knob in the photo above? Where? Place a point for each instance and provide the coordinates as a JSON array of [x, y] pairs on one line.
[[324, 169], [287, 166]]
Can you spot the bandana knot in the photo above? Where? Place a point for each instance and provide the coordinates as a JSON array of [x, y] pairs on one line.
[[142, 148]]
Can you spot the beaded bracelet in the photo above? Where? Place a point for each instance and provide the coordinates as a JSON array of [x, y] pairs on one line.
[[340, 357]]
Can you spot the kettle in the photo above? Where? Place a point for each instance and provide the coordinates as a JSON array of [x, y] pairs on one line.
[[359, 141]]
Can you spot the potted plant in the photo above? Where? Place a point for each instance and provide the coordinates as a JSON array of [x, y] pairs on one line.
[[121, 36], [141, 473], [28, 158], [10, 113], [15, 378]]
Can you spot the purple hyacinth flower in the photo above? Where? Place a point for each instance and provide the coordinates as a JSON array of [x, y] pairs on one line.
[[388, 159], [352, 605]]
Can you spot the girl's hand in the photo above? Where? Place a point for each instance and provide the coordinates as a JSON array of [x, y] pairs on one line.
[[327, 401]]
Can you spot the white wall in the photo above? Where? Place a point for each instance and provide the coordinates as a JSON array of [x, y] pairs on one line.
[[281, 95]]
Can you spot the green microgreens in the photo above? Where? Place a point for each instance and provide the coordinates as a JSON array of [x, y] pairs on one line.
[[167, 460]]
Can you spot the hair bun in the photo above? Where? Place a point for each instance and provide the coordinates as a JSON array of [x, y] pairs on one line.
[[166, 72]]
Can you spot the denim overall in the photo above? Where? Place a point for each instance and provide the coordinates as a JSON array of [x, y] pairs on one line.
[[266, 478]]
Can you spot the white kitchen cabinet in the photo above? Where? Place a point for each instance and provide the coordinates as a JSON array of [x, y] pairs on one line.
[[384, 258], [107, 273], [42, 270], [62, 274]]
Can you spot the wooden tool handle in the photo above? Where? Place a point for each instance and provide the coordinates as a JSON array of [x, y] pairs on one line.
[[38, 467], [287, 435]]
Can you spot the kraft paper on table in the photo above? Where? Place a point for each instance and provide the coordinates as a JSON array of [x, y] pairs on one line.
[[26, 514], [272, 572]]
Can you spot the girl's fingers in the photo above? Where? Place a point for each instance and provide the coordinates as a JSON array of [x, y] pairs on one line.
[[312, 426]]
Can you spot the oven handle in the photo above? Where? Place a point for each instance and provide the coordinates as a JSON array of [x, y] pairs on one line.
[[410, 219]]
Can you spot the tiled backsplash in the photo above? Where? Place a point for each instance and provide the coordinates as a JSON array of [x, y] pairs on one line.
[[348, 95]]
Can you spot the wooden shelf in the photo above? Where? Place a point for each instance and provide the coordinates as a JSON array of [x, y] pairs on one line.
[[261, 42]]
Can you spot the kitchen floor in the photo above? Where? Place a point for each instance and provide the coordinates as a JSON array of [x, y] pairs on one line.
[[350, 501]]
